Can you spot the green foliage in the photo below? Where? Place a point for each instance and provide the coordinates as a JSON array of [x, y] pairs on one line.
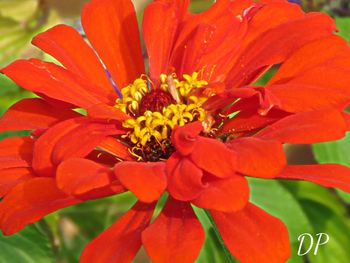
[[334, 152], [343, 24], [30, 245], [306, 208]]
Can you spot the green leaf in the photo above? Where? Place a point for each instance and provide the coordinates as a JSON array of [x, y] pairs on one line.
[[271, 196], [343, 24], [334, 152], [337, 227], [7, 85], [28, 246]]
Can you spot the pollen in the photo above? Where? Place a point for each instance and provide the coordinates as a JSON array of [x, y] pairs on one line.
[[156, 110]]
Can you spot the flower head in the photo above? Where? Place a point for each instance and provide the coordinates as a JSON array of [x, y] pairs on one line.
[[194, 127]]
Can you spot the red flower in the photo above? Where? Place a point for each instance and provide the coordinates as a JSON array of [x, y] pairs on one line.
[[194, 128]]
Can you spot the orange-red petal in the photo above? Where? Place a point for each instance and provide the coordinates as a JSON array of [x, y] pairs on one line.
[[296, 97], [175, 236], [16, 152], [72, 138], [78, 176], [307, 127], [112, 29], [30, 201], [116, 148], [66, 45], [208, 153], [184, 178], [147, 181], [258, 158], [157, 16], [184, 138], [329, 175], [11, 177], [225, 195], [252, 235], [103, 111], [54, 81], [286, 38], [32, 114], [120, 242]]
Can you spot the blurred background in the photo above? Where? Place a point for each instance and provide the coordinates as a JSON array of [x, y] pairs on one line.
[[61, 236]]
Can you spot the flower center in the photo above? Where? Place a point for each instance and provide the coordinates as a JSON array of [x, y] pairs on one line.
[[157, 110], [155, 100]]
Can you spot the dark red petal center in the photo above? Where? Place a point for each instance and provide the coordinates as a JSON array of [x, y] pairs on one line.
[[155, 100]]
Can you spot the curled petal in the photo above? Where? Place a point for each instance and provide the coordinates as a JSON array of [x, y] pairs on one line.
[[184, 138], [225, 195], [258, 158], [146, 180], [184, 178], [214, 157]]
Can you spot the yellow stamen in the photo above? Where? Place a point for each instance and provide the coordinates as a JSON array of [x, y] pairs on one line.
[[158, 124]]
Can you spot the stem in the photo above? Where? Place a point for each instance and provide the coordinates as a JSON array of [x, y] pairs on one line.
[[228, 255]]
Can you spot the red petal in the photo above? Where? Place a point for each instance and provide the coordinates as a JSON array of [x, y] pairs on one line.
[[286, 38], [252, 235], [301, 98], [103, 111], [72, 138], [80, 141], [329, 175], [54, 81], [307, 127], [116, 148], [147, 181], [175, 236], [30, 201], [16, 152], [318, 52], [157, 16], [184, 138], [79, 176], [184, 178], [32, 114], [249, 120], [112, 29], [225, 195], [220, 154], [66, 45], [11, 177], [258, 158], [120, 242]]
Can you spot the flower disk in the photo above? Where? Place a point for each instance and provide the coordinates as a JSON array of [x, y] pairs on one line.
[[157, 110]]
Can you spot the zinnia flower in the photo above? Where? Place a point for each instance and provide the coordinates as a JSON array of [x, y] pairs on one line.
[[194, 127]]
